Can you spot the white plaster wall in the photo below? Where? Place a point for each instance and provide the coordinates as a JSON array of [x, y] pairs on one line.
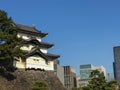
[[27, 48], [43, 50], [38, 62], [19, 64], [24, 36], [27, 37]]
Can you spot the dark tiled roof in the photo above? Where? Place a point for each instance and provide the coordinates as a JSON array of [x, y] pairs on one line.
[[41, 44], [53, 56], [36, 50], [30, 30], [46, 56], [45, 44]]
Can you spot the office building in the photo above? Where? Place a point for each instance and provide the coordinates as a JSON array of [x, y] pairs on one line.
[[85, 71], [59, 71], [78, 81], [69, 77], [102, 70], [116, 63]]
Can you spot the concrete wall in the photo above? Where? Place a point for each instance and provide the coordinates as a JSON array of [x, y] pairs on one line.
[[59, 70]]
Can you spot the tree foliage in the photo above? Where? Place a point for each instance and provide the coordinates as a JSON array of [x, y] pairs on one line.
[[40, 85], [98, 82], [9, 42]]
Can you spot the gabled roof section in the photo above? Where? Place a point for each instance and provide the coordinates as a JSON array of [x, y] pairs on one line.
[[47, 56], [30, 30], [40, 44], [37, 50]]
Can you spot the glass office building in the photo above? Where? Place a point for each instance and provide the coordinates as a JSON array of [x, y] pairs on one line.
[[116, 63], [85, 71]]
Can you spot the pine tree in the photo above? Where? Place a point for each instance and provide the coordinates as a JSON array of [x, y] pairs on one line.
[[9, 42], [98, 82]]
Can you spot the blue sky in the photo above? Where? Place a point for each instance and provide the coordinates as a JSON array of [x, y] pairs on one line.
[[83, 31]]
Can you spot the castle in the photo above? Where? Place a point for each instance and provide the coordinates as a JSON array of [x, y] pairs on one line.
[[36, 55]]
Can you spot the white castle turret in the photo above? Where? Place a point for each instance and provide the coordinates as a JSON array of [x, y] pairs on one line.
[[35, 51]]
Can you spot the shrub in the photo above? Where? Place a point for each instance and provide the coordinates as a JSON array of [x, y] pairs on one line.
[[40, 85]]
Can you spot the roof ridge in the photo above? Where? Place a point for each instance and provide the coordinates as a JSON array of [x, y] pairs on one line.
[[33, 27], [30, 29], [24, 25]]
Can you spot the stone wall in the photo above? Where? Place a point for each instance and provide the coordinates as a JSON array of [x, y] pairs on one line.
[[23, 80]]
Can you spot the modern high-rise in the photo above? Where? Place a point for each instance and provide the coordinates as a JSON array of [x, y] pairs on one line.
[[69, 77], [116, 63], [85, 71]]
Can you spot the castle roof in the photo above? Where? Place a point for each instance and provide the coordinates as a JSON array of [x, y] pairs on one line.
[[30, 30], [33, 31], [41, 44], [36, 50], [53, 56], [45, 44]]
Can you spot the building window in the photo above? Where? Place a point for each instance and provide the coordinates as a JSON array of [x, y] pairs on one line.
[[47, 62], [36, 60]]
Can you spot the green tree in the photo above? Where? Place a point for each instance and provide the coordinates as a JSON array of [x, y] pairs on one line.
[[9, 42], [40, 85], [98, 82]]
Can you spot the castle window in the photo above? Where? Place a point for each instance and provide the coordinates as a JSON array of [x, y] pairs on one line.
[[36, 60], [47, 62]]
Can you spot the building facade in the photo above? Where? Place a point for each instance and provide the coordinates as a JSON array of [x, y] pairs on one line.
[[116, 63], [59, 71], [78, 81], [110, 76], [85, 71], [102, 70], [69, 77], [35, 51]]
